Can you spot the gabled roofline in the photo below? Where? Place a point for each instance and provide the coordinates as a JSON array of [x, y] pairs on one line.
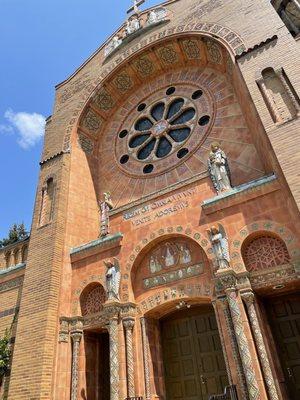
[[102, 46]]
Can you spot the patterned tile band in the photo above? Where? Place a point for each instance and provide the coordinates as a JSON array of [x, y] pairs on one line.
[[173, 276]]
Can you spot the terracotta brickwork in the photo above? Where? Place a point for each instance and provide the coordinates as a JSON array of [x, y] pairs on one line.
[[196, 74]]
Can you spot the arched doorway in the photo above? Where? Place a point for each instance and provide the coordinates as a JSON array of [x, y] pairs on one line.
[[193, 360], [263, 252], [96, 346]]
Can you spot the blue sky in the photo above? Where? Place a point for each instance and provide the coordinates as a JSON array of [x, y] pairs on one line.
[[41, 43]]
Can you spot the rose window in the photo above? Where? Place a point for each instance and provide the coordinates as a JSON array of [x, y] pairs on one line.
[[164, 129]]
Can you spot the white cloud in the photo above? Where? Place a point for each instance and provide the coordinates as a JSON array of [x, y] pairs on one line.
[[28, 127], [6, 129]]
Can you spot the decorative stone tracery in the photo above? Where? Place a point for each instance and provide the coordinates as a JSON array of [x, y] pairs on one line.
[[92, 301], [265, 252]]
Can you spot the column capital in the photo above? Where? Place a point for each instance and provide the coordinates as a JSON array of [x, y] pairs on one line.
[[248, 297], [227, 279], [128, 323], [76, 336]]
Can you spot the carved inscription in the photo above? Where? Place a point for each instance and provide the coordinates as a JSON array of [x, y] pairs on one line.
[[160, 208]]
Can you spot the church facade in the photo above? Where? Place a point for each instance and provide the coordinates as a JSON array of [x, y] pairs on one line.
[[164, 254]]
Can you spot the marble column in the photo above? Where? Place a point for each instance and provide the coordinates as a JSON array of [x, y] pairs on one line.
[[249, 299], [114, 358], [76, 339], [128, 324], [228, 281], [234, 346], [216, 309], [146, 358]]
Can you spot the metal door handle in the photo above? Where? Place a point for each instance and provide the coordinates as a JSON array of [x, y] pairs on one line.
[[290, 373], [203, 381]]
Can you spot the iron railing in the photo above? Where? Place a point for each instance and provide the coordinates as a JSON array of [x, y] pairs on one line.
[[229, 394]]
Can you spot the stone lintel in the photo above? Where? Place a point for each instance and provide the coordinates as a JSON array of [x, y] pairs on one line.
[[241, 193], [96, 246]]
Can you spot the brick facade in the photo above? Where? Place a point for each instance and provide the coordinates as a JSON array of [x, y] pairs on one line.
[[221, 48]]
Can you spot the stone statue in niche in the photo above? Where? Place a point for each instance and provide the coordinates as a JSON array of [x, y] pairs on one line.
[[219, 169], [105, 206], [185, 255], [154, 265], [219, 241], [132, 25], [113, 279]]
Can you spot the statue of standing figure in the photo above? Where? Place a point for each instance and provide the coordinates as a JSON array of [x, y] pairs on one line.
[[105, 207], [113, 279], [219, 169], [219, 241], [133, 25]]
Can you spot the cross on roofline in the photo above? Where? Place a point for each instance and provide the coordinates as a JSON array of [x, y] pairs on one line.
[[135, 7]]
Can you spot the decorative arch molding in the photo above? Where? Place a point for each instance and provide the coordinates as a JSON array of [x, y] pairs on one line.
[[229, 39], [191, 293], [77, 292], [155, 237], [262, 227]]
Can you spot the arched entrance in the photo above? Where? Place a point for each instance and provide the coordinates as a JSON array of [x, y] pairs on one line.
[[96, 345], [284, 318], [266, 252], [194, 365], [96, 348]]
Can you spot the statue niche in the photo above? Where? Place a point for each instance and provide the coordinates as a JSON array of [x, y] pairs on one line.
[[169, 262]]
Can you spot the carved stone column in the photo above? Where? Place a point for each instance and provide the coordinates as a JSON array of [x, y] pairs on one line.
[[76, 335], [146, 358], [214, 303], [114, 358], [249, 299], [228, 282], [128, 324], [234, 347]]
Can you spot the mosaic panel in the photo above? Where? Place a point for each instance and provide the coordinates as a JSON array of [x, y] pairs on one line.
[[85, 143], [144, 66], [92, 121], [169, 277], [214, 53], [191, 49], [104, 100], [168, 55], [123, 82]]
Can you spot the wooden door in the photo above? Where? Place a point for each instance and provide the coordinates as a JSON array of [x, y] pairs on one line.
[[97, 366], [284, 314], [193, 359]]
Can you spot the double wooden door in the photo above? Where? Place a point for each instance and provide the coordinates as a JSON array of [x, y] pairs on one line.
[[284, 315], [192, 354]]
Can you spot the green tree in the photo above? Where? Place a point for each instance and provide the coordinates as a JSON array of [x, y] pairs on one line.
[[5, 353], [16, 232]]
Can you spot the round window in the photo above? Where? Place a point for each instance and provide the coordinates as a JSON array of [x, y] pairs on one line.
[[164, 130]]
